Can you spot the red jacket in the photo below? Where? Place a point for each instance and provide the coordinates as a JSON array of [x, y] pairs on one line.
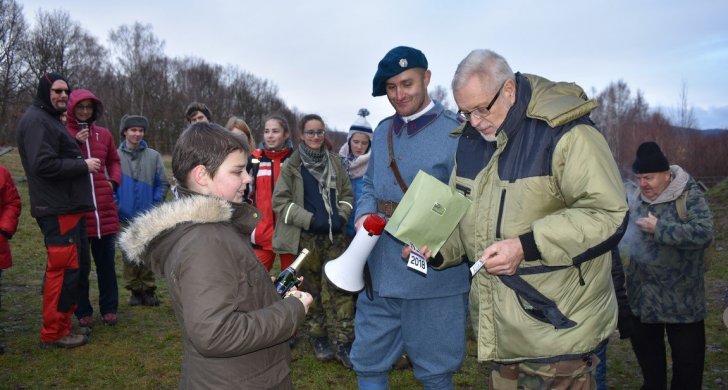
[[104, 220], [9, 214], [265, 173]]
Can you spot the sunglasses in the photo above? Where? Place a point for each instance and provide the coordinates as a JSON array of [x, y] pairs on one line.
[[59, 91]]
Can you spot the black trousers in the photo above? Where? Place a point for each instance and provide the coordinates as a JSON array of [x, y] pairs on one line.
[[687, 342]]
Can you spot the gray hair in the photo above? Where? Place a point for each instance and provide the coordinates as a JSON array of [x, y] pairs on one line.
[[486, 65]]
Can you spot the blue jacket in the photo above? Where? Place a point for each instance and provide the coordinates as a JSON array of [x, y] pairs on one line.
[[144, 181], [423, 144]]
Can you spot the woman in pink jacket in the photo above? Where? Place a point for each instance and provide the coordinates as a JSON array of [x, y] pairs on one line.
[[102, 224]]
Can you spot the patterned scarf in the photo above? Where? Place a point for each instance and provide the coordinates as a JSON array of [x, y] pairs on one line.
[[320, 166], [355, 166]]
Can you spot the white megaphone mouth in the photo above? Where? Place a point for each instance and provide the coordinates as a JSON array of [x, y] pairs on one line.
[[347, 271]]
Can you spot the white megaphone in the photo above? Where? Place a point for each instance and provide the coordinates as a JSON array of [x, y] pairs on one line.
[[347, 271]]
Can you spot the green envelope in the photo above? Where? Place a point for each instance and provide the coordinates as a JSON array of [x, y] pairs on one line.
[[428, 213]]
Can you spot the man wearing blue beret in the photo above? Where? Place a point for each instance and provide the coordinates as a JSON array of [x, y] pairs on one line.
[[403, 311]]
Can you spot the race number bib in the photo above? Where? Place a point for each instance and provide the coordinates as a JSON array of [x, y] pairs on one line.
[[416, 261]]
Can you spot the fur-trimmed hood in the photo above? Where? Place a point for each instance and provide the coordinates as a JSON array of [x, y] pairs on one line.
[[136, 239]]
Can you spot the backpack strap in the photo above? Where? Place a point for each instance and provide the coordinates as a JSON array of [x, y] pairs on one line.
[[681, 204]]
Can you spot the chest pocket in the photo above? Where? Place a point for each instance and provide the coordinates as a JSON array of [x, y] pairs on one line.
[[464, 186]]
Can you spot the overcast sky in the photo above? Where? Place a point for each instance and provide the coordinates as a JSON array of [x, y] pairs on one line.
[[322, 55]]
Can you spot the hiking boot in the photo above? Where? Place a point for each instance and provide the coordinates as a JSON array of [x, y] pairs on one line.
[[68, 342], [149, 298], [82, 330], [136, 298], [342, 354], [403, 363], [109, 318], [86, 322], [292, 341], [321, 349]]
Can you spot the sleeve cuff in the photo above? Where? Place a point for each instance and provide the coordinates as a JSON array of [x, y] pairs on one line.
[[530, 250], [437, 260]]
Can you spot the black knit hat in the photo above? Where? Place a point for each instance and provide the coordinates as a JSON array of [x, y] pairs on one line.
[[650, 159]]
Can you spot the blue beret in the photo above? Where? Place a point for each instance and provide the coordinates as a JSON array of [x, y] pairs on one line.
[[395, 62]]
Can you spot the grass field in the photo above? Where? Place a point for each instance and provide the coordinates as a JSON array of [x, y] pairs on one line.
[[144, 350]]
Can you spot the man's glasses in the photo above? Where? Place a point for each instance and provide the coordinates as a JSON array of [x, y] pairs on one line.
[[312, 133], [482, 111], [59, 91]]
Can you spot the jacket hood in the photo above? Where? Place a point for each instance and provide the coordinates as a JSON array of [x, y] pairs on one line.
[[136, 239], [678, 184], [77, 96], [557, 103], [43, 94], [123, 147]]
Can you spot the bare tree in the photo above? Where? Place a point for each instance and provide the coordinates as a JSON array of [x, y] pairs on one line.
[[59, 44], [12, 34], [442, 95], [140, 59], [684, 114]]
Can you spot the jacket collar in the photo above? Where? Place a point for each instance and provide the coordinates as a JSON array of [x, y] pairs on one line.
[[415, 126], [512, 123], [190, 208], [125, 148]]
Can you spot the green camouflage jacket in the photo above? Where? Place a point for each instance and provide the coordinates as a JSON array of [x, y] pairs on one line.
[[665, 281]]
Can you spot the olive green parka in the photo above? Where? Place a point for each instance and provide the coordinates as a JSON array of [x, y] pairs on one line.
[[550, 180]]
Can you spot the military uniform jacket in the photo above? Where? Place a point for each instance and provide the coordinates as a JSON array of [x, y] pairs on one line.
[[665, 281], [423, 144], [550, 180]]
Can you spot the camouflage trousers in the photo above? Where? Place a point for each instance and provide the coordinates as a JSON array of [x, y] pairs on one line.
[[332, 311], [575, 374], [138, 277]]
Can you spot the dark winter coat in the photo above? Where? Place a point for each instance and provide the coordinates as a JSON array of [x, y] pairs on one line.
[[104, 220], [58, 177], [235, 326]]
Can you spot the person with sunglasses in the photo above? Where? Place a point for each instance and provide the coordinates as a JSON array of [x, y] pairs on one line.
[[59, 185], [102, 224], [548, 205], [313, 200]]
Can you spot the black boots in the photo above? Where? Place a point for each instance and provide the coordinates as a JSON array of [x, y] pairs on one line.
[[145, 298]]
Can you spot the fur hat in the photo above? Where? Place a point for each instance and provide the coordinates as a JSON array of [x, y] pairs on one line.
[[196, 106], [128, 121], [396, 61], [650, 159]]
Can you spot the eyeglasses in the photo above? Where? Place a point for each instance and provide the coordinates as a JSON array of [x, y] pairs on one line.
[[482, 111], [59, 91], [85, 106], [312, 133]]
